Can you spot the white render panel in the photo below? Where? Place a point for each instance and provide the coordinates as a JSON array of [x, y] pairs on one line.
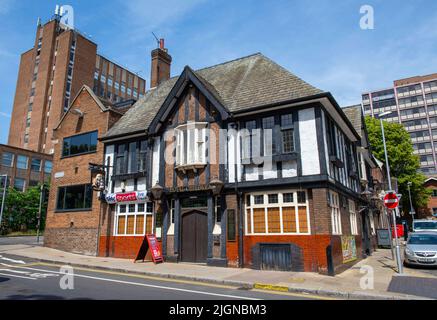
[[130, 185], [251, 173], [269, 170], [289, 169], [141, 184], [309, 152], [325, 142], [155, 161], [110, 154]]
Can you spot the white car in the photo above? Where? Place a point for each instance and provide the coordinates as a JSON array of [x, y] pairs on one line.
[[424, 225]]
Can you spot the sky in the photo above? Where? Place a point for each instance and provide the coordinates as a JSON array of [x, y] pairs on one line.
[[319, 40]]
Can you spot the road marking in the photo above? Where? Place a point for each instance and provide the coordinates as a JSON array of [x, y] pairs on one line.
[[15, 276], [12, 260], [142, 276], [294, 294], [148, 285]]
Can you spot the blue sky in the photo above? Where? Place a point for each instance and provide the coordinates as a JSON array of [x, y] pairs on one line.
[[318, 40]]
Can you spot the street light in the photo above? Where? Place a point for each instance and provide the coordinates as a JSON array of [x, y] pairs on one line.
[[4, 196], [412, 212], [398, 251]]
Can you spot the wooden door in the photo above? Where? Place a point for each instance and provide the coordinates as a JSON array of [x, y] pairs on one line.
[[194, 242]]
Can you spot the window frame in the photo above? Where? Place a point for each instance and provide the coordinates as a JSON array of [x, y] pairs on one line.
[[136, 213], [12, 159], [27, 162], [57, 209], [281, 204], [32, 164], [196, 133], [69, 155], [334, 203], [24, 184], [353, 218]]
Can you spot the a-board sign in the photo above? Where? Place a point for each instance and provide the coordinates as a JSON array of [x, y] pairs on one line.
[[150, 242]]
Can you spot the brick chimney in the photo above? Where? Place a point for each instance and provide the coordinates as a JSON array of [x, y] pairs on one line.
[[161, 62]]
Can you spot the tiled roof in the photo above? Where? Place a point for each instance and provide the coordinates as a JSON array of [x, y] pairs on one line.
[[239, 84], [354, 114]]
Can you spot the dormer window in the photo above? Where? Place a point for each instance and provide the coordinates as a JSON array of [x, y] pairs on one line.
[[190, 145]]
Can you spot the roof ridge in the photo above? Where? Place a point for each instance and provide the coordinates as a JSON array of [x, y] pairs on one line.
[[230, 61]]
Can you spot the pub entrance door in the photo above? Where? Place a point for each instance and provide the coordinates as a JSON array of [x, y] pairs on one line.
[[194, 242]]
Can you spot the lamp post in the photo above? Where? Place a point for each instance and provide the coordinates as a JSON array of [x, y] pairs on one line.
[[398, 251], [4, 196], [412, 212]]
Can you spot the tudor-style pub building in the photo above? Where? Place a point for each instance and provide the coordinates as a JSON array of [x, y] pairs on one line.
[[241, 164]]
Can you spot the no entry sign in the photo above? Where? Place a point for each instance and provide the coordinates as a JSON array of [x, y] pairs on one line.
[[391, 200]]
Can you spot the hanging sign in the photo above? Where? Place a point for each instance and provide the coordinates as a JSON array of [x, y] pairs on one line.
[[136, 196]]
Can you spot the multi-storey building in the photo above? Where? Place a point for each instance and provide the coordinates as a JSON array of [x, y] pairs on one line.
[[23, 168], [413, 102], [61, 61]]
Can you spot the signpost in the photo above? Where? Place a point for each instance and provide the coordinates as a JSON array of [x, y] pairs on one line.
[[391, 201], [150, 242]]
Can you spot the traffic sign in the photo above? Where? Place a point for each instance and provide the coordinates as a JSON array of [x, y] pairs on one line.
[[391, 200]]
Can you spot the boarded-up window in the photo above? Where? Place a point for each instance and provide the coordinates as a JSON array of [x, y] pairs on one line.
[[249, 222], [274, 220], [149, 224], [130, 224], [139, 229], [121, 224], [303, 220], [259, 220], [289, 219], [232, 234]]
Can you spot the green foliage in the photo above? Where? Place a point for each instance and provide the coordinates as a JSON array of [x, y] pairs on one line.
[[21, 210], [404, 164]]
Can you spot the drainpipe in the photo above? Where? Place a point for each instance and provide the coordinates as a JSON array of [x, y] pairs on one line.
[[239, 201]]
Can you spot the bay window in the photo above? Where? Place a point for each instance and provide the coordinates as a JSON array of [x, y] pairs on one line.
[[277, 213], [190, 144]]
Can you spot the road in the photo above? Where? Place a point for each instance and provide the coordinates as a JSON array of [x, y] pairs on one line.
[[26, 279], [21, 240]]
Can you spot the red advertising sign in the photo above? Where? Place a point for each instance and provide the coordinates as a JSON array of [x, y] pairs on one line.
[[150, 242], [391, 200], [126, 197]]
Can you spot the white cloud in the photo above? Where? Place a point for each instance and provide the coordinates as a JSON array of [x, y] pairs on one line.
[[4, 114]]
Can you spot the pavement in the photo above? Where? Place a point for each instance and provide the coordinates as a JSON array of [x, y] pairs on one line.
[[376, 273]]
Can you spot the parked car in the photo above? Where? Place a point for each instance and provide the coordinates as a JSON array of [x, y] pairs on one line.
[[421, 249], [424, 225]]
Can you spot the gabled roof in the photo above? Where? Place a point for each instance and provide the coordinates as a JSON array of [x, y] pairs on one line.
[[238, 85], [103, 104], [355, 115]]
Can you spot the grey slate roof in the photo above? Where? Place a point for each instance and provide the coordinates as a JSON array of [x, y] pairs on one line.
[[354, 114], [240, 84]]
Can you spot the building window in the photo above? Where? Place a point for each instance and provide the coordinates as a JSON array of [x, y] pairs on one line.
[[268, 139], [48, 165], [22, 162], [131, 157], [110, 81], [103, 78], [277, 213], [372, 223], [19, 184], [217, 210], [129, 91], [287, 141], [231, 228], [434, 193], [83, 143], [335, 213], [26, 138], [35, 165], [190, 144], [116, 85], [135, 219], [74, 197], [30, 107], [96, 75], [353, 217], [7, 159]]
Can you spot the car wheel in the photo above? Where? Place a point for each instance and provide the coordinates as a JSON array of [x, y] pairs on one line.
[[406, 264]]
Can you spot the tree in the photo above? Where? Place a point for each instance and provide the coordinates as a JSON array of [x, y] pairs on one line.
[[21, 209], [404, 164]]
